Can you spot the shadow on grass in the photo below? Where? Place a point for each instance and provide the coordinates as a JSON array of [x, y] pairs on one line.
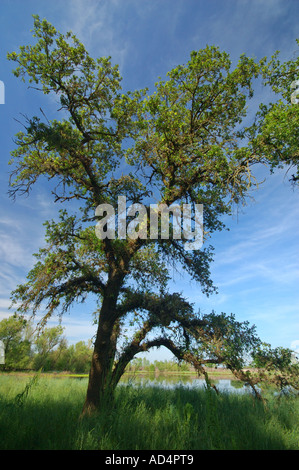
[[147, 418], [180, 419]]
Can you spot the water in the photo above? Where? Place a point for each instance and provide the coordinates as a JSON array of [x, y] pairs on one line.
[[190, 382]]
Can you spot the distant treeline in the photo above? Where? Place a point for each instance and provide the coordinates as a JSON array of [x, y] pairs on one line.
[[26, 348], [143, 364], [49, 350]]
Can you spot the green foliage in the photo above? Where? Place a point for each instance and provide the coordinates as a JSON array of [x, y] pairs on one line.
[[274, 134], [77, 358], [15, 334], [45, 350], [44, 344], [279, 366], [188, 140]]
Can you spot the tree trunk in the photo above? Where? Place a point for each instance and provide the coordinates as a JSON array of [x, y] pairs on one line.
[[100, 388]]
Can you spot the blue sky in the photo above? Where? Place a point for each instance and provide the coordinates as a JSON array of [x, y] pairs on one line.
[[256, 265]]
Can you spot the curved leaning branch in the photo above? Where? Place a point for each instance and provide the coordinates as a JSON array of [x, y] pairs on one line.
[[196, 339]]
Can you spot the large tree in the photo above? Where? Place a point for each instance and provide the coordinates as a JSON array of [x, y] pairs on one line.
[[182, 143]]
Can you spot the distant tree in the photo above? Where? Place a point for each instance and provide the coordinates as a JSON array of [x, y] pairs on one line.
[[16, 336], [48, 339], [79, 357], [184, 143], [58, 358]]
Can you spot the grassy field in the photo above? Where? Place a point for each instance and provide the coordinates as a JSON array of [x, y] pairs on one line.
[[45, 415]]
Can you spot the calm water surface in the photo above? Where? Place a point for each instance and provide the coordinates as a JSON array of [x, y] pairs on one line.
[[168, 382]]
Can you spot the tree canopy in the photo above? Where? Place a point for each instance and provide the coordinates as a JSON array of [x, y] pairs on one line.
[[184, 143]]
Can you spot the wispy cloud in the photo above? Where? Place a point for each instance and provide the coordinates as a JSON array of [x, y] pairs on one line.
[[238, 25], [4, 308], [94, 25], [75, 329], [13, 251]]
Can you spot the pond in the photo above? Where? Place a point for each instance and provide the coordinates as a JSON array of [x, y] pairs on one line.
[[171, 381]]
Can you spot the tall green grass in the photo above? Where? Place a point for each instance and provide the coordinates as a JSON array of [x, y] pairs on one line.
[[44, 415]]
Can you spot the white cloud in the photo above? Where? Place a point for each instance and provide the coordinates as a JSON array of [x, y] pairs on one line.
[[13, 251], [75, 329], [4, 308], [19, 239], [295, 345]]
